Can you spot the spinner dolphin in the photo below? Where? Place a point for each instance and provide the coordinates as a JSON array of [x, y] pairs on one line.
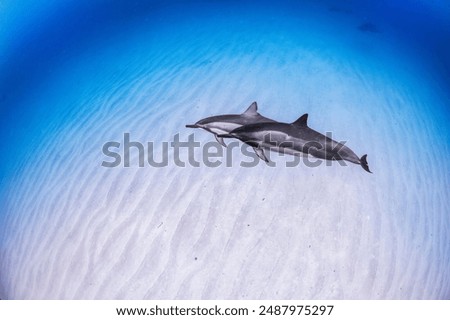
[[294, 138], [224, 124]]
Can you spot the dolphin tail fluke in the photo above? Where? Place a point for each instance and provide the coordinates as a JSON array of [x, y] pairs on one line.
[[364, 163], [191, 126]]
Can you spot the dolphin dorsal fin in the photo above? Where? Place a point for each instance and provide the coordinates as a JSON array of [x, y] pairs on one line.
[[253, 109], [302, 121]]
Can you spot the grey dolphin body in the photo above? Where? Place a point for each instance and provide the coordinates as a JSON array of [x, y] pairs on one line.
[[226, 123], [294, 138]]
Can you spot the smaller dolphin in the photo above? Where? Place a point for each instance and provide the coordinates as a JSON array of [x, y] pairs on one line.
[[294, 138], [224, 124]]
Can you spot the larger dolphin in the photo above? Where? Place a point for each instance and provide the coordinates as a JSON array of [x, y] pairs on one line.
[[226, 123], [294, 138]]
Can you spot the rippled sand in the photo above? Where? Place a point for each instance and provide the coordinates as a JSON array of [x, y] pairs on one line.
[[74, 229]]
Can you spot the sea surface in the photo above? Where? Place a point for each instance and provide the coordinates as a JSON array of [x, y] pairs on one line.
[[75, 75]]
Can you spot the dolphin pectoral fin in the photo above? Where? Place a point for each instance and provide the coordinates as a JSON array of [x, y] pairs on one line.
[[220, 140], [364, 163], [260, 153]]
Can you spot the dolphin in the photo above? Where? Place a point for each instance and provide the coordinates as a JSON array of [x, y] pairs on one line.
[[294, 138], [224, 124]]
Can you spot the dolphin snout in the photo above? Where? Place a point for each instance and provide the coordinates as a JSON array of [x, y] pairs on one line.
[[192, 126]]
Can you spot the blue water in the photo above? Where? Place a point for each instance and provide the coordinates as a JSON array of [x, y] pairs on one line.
[[36, 46], [72, 72]]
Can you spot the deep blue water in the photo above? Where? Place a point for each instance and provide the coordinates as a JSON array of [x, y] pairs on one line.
[[36, 44]]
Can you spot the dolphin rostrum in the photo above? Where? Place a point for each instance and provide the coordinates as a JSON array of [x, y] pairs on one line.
[[294, 138], [224, 124]]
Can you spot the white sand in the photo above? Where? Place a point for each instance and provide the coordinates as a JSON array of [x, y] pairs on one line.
[[73, 229]]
